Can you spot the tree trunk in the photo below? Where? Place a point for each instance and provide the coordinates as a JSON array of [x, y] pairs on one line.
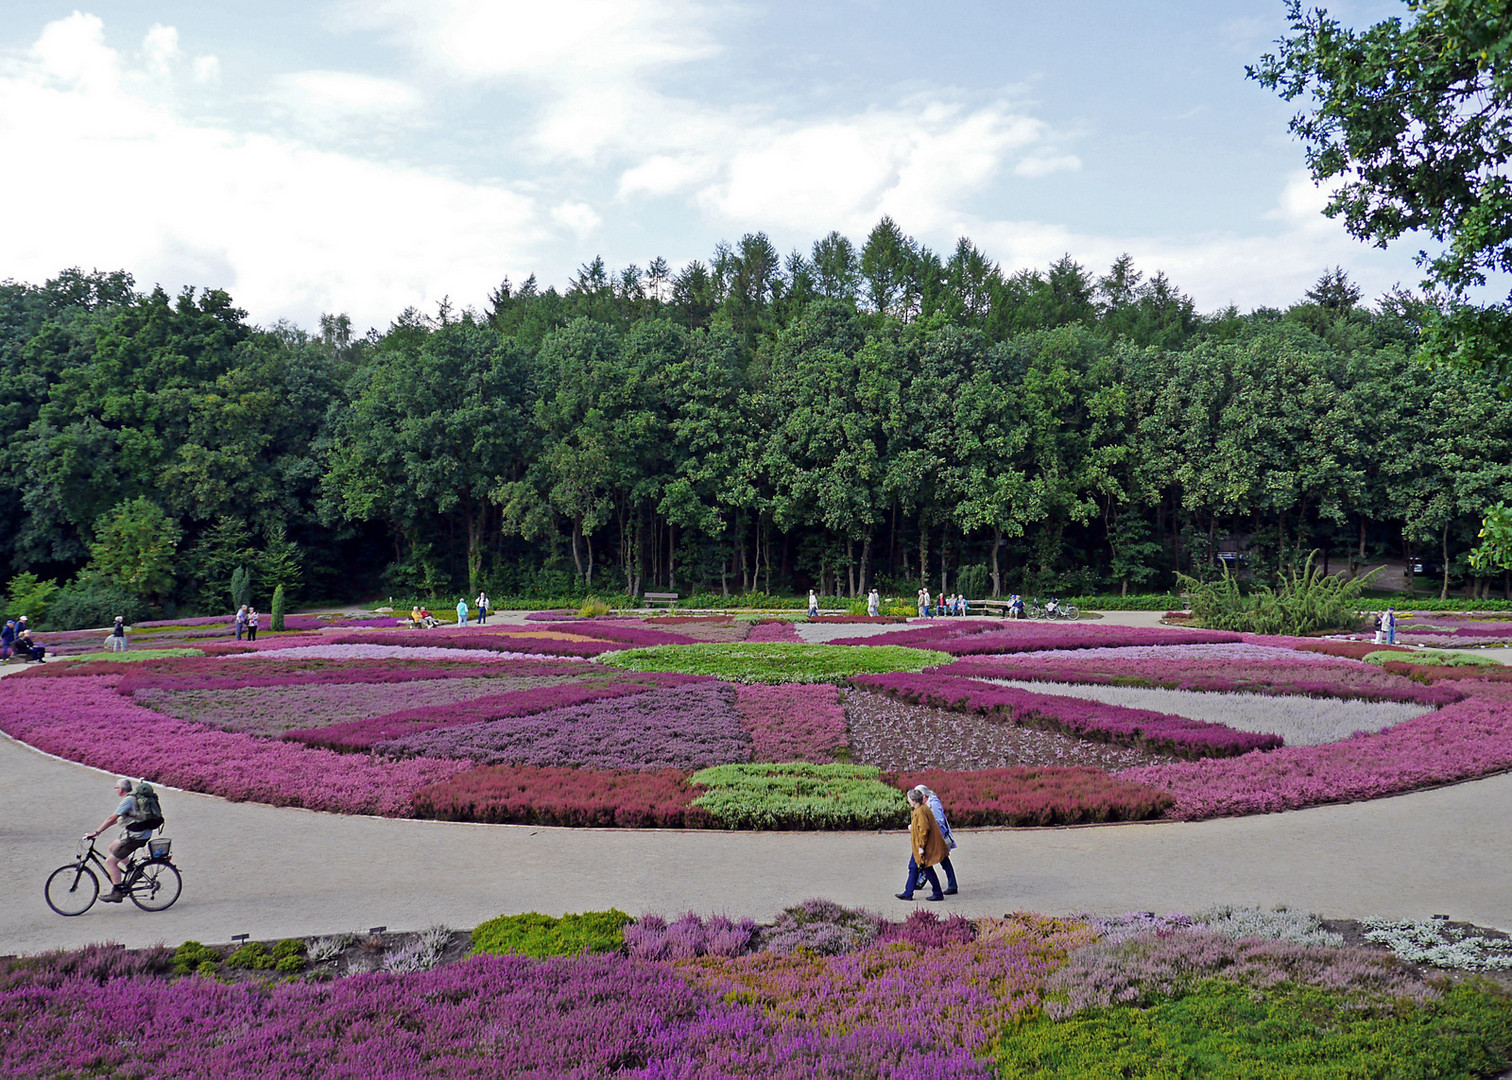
[[1444, 554], [923, 555], [671, 556], [997, 578], [588, 551], [850, 566], [577, 527], [745, 579], [866, 546]]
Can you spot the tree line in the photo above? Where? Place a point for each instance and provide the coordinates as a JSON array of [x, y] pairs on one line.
[[833, 419]]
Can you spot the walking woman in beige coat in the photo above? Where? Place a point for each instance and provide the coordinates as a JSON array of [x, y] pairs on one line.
[[927, 847]]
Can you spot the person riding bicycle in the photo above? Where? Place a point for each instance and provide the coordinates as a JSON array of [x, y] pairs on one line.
[[136, 831]]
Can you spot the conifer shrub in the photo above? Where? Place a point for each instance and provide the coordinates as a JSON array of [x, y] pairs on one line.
[[534, 934]]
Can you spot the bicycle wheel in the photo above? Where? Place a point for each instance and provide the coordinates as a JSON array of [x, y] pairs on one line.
[[157, 886], [71, 890], [1071, 612]]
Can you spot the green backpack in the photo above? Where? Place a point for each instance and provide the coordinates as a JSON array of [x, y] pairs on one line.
[[149, 812]]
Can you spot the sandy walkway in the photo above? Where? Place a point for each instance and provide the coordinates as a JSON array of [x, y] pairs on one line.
[[274, 872]]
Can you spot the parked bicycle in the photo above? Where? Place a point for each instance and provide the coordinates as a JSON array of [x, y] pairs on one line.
[[1052, 609], [148, 877]]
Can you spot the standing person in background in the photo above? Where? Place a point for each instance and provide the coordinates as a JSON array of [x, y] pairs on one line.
[[7, 639], [873, 603], [1388, 623], [241, 621], [482, 608], [251, 623], [927, 847], [461, 611], [118, 634], [937, 808]]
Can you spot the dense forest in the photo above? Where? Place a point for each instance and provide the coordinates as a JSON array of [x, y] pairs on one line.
[[850, 416]]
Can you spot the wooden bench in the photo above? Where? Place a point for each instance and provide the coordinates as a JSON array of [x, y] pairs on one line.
[[668, 598], [989, 607]]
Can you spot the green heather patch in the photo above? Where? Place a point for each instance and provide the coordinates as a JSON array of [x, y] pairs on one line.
[[800, 796], [1433, 657], [1225, 1031], [126, 657], [534, 934], [777, 662]]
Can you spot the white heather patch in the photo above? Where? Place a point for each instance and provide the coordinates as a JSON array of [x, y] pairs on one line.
[[1301, 721], [1438, 942], [1280, 924]]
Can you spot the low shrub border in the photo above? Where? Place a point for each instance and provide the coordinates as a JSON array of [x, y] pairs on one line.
[[1039, 796], [537, 795]]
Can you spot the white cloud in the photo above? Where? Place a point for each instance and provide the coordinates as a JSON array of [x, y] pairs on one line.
[[563, 42], [116, 179], [329, 104], [161, 48], [919, 161], [581, 218], [1268, 266], [206, 69]]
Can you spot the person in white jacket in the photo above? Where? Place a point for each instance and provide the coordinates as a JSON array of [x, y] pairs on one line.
[[938, 809]]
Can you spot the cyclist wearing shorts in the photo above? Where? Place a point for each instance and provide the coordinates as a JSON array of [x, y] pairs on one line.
[[133, 837]]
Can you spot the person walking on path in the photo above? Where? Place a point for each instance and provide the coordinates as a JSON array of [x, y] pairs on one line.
[[482, 608], [251, 623], [118, 634], [873, 603], [927, 848], [937, 808], [813, 604], [7, 639], [461, 612]]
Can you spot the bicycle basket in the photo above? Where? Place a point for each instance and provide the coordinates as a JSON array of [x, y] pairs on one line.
[[158, 848]]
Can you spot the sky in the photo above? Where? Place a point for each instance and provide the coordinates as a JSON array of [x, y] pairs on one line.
[[364, 157]]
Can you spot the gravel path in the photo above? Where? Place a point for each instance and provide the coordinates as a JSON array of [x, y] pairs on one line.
[[1300, 720]]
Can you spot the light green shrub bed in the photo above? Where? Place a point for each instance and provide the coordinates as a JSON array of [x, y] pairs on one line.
[[777, 662], [1286, 1032], [800, 796], [534, 934]]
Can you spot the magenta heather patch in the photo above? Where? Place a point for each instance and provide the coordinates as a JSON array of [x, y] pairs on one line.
[[583, 1018], [773, 630], [689, 727], [1469, 738], [232, 673], [1087, 719], [986, 638], [399, 725], [803, 722], [85, 720], [1316, 676]]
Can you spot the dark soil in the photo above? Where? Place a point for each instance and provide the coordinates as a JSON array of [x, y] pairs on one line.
[[898, 737]]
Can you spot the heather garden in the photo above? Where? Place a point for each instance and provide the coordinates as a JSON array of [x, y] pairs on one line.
[[822, 991], [723, 721], [744, 721]]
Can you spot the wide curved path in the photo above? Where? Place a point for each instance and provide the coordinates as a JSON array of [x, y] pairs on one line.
[[268, 872]]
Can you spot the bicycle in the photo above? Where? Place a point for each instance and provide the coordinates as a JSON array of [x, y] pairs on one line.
[[1052, 610], [153, 882]]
